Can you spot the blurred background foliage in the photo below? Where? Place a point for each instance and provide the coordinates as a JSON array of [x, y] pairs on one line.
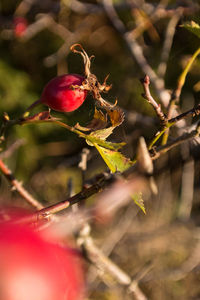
[[49, 156]]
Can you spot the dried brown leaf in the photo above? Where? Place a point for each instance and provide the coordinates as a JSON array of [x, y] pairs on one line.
[[99, 121], [116, 116]]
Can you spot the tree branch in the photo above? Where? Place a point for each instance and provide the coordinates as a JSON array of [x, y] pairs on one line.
[[103, 263], [147, 95], [168, 42], [192, 112], [156, 152], [18, 186], [136, 51]]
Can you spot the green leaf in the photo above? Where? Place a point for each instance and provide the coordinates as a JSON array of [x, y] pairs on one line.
[[93, 141], [137, 198], [192, 27], [115, 160], [102, 133]]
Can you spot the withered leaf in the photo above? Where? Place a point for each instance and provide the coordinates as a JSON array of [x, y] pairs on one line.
[[116, 116], [99, 120]]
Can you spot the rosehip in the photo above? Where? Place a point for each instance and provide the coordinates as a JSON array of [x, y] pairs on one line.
[[62, 93], [20, 26], [33, 268]]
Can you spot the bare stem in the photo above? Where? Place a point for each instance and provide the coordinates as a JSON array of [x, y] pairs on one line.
[[8, 152], [192, 112], [136, 51], [33, 105], [86, 192], [155, 153], [171, 27], [147, 95], [105, 264], [177, 92], [18, 186], [182, 77]]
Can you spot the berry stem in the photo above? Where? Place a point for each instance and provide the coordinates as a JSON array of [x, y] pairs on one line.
[[33, 105]]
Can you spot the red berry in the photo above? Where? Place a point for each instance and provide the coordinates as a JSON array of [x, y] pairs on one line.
[[33, 268], [59, 94], [20, 26]]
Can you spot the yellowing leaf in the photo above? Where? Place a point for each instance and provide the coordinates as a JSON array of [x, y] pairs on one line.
[[116, 116], [93, 141], [115, 160], [102, 133]]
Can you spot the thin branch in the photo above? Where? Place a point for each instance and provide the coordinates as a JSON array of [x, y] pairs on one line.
[[175, 98], [160, 12], [187, 190], [156, 152], [144, 22], [147, 95], [18, 186], [136, 51], [111, 241], [181, 80], [192, 112], [86, 192], [7, 153], [180, 273], [168, 43], [23, 8], [103, 263], [43, 22]]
